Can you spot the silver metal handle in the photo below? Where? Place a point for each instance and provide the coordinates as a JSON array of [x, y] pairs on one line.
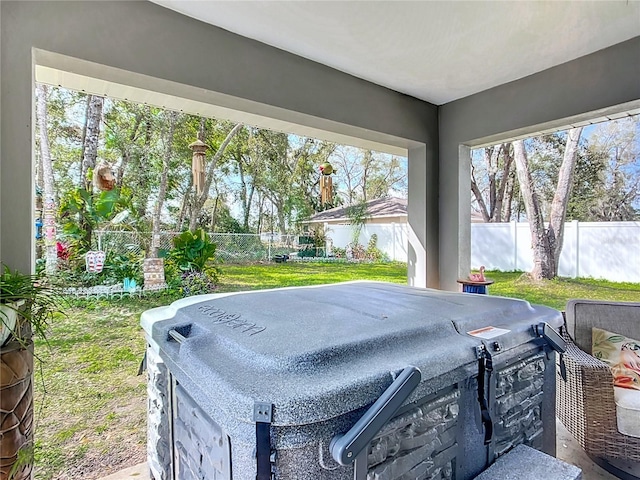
[[176, 336], [345, 448]]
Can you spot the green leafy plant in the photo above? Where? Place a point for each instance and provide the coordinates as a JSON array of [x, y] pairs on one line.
[[31, 301], [124, 266], [358, 216], [193, 251], [82, 212]]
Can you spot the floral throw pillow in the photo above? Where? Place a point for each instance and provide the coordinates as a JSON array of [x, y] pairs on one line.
[[622, 354]]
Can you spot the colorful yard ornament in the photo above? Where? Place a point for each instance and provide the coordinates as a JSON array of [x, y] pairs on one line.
[[326, 168], [103, 179], [38, 228], [153, 269], [129, 285], [95, 261]]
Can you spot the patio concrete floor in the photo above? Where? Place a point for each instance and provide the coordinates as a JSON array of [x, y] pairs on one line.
[[566, 447]]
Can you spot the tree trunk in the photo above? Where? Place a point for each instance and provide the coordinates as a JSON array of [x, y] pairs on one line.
[[185, 204], [49, 217], [126, 150], [214, 213], [498, 195], [282, 224], [90, 147], [83, 142], [162, 190], [479, 198], [542, 258], [547, 243], [199, 200], [502, 189], [561, 196]]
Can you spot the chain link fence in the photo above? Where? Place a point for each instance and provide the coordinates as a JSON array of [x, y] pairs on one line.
[[231, 247]]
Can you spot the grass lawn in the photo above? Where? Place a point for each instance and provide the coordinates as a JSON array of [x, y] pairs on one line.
[[254, 277], [91, 405], [555, 293]]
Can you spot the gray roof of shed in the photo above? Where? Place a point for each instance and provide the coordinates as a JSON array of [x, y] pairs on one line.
[[378, 208]]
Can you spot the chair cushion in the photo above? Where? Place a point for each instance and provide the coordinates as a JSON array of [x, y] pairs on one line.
[[621, 353], [582, 315], [628, 411]]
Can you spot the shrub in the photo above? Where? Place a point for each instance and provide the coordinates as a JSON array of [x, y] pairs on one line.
[[193, 251], [373, 253], [196, 283], [124, 266]]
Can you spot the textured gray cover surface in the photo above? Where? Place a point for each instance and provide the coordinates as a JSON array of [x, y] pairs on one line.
[[317, 353], [322, 355], [526, 463]]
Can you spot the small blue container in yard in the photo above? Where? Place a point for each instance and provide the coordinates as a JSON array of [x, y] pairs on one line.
[[475, 287]]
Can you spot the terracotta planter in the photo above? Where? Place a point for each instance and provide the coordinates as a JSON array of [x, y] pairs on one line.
[[16, 411]]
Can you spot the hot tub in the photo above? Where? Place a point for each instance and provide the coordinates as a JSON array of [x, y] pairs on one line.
[[363, 380]]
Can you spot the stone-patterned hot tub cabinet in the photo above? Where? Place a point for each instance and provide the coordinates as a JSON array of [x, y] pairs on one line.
[[519, 405], [232, 376], [422, 443]]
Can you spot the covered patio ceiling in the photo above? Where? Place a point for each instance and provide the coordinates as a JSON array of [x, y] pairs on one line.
[[434, 51]]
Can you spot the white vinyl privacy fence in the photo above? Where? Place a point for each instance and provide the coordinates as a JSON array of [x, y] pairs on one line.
[[607, 250], [392, 238]]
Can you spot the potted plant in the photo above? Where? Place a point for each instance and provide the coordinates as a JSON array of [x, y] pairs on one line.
[[27, 305]]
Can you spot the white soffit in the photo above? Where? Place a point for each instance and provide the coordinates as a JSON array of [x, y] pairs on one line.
[[437, 51], [194, 102]]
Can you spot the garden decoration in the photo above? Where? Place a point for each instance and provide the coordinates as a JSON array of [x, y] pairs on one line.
[[49, 220], [199, 149], [95, 261], [477, 277], [129, 285], [326, 184], [153, 269], [103, 179], [38, 228]]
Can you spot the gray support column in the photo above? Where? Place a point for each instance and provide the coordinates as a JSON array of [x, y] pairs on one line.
[[417, 218], [16, 142], [422, 255]]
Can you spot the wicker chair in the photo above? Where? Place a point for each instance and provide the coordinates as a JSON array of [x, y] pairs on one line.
[[585, 400]]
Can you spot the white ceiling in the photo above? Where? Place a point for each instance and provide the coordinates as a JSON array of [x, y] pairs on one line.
[[437, 51]]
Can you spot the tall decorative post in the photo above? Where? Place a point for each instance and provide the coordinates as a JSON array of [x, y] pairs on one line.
[[199, 149]]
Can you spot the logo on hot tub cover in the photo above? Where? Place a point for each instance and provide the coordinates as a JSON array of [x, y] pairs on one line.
[[232, 320]]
